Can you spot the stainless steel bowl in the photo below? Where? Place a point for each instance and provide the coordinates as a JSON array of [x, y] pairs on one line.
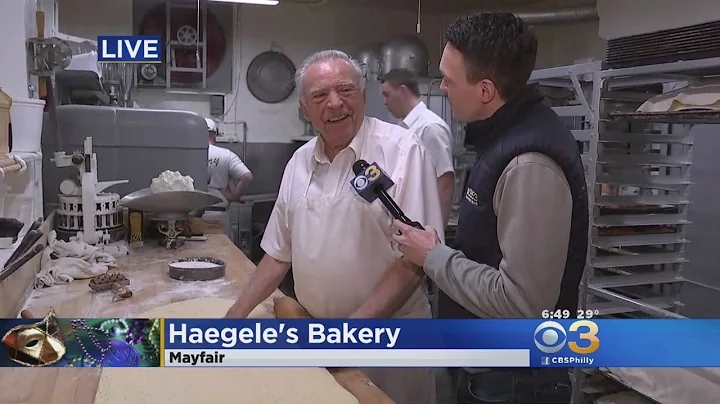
[[177, 202]]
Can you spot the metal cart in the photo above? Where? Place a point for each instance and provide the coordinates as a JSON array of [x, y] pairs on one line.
[[638, 173]]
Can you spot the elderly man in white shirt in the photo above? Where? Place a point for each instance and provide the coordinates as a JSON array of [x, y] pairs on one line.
[[337, 243], [402, 98]]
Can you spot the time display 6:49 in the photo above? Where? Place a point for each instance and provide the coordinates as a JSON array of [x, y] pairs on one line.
[[565, 314]]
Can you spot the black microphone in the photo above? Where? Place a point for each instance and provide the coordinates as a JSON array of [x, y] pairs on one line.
[[372, 183]]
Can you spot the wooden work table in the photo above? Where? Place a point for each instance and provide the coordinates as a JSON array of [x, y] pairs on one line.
[[146, 267]]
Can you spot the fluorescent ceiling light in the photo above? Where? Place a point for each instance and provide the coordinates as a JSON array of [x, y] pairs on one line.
[[258, 2]]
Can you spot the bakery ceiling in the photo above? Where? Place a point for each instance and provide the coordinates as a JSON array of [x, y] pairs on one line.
[[536, 12]]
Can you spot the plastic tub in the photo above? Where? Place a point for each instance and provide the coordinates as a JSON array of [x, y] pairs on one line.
[[26, 118]]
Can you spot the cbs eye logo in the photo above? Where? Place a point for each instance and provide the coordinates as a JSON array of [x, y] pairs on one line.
[[360, 182], [372, 173], [550, 337]]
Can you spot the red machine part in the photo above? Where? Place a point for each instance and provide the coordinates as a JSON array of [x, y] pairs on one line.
[[154, 23]]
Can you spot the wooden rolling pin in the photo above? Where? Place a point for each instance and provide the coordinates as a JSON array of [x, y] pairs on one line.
[[353, 380], [287, 307]]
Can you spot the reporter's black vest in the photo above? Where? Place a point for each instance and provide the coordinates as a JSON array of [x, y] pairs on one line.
[[523, 125]]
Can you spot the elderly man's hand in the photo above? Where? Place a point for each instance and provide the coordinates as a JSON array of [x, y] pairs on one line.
[[236, 311], [415, 244]]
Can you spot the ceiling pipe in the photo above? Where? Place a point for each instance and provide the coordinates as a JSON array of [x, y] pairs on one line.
[[306, 2], [560, 16]]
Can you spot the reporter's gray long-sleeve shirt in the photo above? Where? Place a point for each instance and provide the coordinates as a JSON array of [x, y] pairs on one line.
[[533, 205]]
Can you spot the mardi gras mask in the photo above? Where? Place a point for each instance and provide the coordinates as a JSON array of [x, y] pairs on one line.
[[39, 344]]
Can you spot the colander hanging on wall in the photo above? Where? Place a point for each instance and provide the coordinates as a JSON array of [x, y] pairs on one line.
[[271, 76]]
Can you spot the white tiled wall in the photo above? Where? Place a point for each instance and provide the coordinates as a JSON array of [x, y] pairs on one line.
[[13, 68]]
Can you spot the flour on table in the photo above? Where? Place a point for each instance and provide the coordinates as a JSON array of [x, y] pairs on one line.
[[172, 181], [222, 385]]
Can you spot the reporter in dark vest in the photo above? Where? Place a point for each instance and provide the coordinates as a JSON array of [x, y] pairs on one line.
[[521, 241]]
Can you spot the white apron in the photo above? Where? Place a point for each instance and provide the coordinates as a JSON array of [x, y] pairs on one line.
[[333, 277]]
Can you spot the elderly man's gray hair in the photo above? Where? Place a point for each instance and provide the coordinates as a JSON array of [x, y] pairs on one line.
[[324, 56]]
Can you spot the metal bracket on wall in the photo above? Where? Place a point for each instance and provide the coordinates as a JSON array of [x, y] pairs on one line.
[[569, 77], [581, 95], [186, 37]]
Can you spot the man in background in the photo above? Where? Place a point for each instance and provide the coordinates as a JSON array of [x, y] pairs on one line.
[[402, 97], [228, 176]]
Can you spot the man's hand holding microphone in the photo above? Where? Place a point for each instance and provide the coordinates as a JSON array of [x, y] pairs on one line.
[[415, 241], [415, 244]]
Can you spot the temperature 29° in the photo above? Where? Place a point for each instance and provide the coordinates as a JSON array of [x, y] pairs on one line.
[[565, 314]]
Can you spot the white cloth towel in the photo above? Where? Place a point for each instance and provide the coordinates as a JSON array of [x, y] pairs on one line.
[[75, 260]]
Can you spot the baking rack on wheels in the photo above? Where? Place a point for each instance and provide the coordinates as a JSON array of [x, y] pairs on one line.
[[571, 90], [638, 184]]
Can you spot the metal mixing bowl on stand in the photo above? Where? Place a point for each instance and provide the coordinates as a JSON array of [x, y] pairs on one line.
[[170, 210]]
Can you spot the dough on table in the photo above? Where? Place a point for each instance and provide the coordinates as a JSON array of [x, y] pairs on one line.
[[204, 307], [221, 385]]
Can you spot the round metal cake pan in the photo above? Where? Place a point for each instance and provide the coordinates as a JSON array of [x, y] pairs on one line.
[[196, 269]]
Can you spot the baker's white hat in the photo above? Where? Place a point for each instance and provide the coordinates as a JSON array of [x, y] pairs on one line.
[[212, 126]]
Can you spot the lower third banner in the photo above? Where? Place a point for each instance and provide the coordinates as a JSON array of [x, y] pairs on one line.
[[442, 343], [118, 342]]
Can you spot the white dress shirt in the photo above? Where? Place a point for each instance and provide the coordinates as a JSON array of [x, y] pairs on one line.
[[435, 135], [393, 148]]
